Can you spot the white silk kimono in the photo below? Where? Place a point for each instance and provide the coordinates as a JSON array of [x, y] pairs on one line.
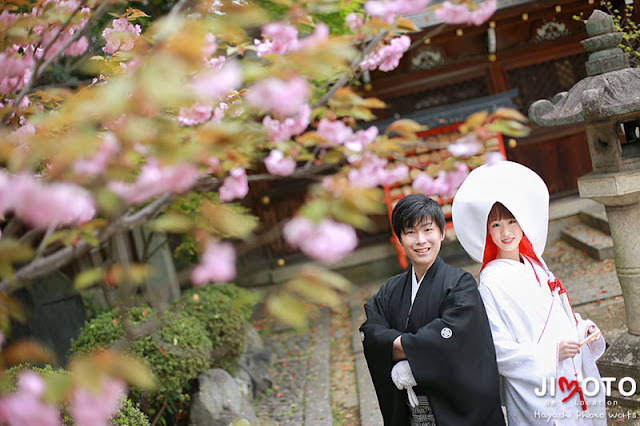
[[528, 320]]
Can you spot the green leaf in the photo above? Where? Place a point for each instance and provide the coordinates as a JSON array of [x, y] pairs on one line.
[[87, 278], [173, 222], [58, 385], [11, 251], [228, 221], [288, 308], [315, 210], [329, 278], [405, 127], [509, 128], [314, 291]]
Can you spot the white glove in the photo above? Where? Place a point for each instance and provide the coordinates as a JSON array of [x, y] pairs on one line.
[[403, 379]]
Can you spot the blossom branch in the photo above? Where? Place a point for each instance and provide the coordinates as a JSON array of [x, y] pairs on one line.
[[40, 66], [47, 264], [344, 78], [44, 265]]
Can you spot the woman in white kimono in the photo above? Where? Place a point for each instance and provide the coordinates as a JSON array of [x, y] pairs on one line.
[[546, 353]]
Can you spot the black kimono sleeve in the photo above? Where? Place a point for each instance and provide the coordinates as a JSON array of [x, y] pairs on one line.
[[378, 337]]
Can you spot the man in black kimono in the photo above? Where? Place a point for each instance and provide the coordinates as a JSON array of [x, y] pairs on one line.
[[430, 322]]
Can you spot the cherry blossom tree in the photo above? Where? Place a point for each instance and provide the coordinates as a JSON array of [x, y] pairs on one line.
[[196, 101]]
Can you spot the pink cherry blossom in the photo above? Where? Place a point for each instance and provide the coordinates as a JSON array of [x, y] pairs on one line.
[[282, 130], [327, 241], [461, 14], [216, 63], [277, 164], [78, 47], [51, 46], [235, 186], [213, 164], [335, 132], [15, 71], [121, 37], [361, 139], [429, 186], [298, 230], [373, 172], [387, 57], [493, 157], [466, 146], [7, 17], [21, 134], [212, 84], [388, 10], [456, 177], [320, 35], [97, 408], [354, 21], [445, 184], [396, 174], [210, 46], [25, 405], [217, 264], [46, 205], [96, 164], [155, 179], [284, 98], [280, 39], [195, 114]]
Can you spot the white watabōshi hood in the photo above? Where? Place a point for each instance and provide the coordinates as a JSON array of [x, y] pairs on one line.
[[517, 187]]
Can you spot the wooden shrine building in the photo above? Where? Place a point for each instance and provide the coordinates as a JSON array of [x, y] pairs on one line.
[[529, 50]]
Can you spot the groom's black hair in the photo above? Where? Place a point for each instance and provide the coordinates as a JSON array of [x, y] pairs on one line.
[[413, 210]]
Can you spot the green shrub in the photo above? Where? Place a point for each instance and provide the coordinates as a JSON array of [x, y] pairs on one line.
[[204, 329], [11, 374], [225, 311], [128, 414], [176, 353], [106, 329]]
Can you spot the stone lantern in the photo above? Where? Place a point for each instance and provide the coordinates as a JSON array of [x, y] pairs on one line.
[[608, 102]]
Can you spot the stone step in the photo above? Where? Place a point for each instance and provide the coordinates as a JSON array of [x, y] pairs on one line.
[[317, 405], [594, 242], [369, 409], [596, 217]]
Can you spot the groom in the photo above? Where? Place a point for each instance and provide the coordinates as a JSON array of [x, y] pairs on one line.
[[426, 339]]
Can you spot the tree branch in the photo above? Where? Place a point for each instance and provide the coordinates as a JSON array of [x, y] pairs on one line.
[[344, 78], [40, 66], [49, 263]]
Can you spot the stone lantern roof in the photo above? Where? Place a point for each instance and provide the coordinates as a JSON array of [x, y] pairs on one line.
[[611, 88]]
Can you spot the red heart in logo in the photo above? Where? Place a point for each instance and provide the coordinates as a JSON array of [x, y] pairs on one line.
[[563, 382], [573, 387]]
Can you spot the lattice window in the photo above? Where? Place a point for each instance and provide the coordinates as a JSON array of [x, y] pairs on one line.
[[443, 95], [545, 79]]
